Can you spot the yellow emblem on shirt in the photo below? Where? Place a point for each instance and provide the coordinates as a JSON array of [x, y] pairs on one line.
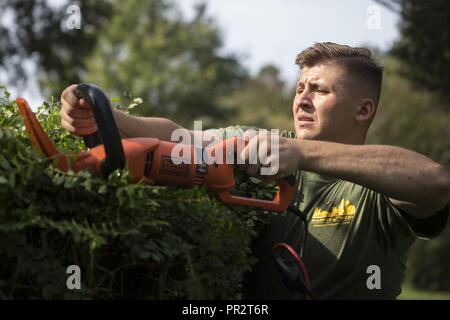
[[342, 214]]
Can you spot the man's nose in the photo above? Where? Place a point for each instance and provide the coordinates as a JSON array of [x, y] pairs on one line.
[[303, 101]]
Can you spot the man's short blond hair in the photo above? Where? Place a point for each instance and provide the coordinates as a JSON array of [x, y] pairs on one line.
[[357, 62]]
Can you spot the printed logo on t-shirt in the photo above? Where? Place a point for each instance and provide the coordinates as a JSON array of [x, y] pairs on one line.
[[342, 214]]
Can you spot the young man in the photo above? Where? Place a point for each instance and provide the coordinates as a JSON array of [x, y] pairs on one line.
[[365, 204]]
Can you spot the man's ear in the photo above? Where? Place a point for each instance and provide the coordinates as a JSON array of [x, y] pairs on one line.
[[365, 110]]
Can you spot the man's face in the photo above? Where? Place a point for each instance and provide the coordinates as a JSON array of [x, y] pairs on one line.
[[322, 106]]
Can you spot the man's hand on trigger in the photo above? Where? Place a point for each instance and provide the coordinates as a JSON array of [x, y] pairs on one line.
[[268, 157]]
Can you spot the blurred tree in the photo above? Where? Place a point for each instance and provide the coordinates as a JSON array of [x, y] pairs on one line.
[[150, 50], [424, 44], [416, 119], [411, 117], [264, 101], [33, 31], [429, 263]]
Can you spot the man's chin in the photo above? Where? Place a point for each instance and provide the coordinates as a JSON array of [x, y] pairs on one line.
[[303, 134]]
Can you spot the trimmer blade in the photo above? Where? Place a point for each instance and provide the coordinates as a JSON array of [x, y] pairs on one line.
[[38, 136]]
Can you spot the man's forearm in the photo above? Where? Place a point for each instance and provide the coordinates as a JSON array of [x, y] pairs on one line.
[[131, 126], [395, 172]]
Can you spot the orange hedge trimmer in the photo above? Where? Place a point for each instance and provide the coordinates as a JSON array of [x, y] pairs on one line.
[[148, 159]]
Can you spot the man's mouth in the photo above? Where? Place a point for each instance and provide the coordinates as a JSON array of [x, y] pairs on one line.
[[304, 121]]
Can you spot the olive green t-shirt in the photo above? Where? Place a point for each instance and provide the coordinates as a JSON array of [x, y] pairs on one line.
[[352, 231]]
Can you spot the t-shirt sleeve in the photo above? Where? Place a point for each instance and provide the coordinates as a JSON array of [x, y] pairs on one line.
[[430, 227], [424, 228]]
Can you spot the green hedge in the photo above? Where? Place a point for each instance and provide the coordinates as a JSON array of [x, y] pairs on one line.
[[130, 241]]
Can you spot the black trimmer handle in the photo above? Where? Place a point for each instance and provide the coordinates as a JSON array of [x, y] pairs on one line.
[[107, 133]]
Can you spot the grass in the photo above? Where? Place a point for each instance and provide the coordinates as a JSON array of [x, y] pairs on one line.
[[411, 293]]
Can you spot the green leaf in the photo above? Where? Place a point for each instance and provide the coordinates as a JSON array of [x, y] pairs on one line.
[[4, 164], [144, 255], [103, 189], [12, 179], [88, 184]]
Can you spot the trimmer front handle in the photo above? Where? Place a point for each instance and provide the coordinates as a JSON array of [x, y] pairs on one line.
[[107, 133]]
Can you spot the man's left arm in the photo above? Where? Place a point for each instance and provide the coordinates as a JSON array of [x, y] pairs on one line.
[[413, 182]]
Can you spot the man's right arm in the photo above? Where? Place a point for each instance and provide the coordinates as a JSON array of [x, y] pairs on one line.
[[77, 118], [131, 126]]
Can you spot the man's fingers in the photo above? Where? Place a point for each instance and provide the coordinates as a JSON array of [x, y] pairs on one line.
[[83, 104], [81, 131], [250, 153], [79, 122], [263, 153], [68, 95], [251, 157], [76, 112], [249, 134], [72, 100], [241, 158], [256, 152]]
